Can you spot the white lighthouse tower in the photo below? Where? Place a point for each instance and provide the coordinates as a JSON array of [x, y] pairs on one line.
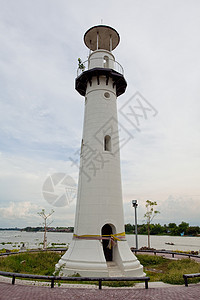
[[99, 246]]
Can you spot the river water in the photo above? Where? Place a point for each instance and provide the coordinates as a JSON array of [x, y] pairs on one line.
[[15, 239]]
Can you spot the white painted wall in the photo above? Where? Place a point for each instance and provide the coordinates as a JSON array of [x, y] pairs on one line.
[[97, 59]]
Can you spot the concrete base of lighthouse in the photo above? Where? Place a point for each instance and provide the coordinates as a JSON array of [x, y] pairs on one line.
[[87, 258]]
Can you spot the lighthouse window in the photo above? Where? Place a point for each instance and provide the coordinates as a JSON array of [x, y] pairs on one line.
[[106, 62], [107, 143], [107, 95], [82, 144]]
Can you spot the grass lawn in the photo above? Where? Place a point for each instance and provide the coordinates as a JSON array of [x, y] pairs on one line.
[[41, 263], [156, 267], [168, 271]]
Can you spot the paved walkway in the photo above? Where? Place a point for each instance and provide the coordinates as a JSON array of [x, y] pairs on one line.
[[22, 292]]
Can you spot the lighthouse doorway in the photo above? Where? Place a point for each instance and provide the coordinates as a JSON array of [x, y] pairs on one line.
[[108, 251]]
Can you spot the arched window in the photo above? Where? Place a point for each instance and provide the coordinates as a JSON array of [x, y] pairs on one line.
[[107, 143], [106, 62]]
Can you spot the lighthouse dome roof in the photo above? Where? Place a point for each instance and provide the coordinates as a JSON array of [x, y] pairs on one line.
[[101, 37]]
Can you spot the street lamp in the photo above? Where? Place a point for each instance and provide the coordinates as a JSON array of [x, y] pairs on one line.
[[134, 202]]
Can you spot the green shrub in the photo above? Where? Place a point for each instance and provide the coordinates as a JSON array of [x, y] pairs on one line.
[[150, 260]]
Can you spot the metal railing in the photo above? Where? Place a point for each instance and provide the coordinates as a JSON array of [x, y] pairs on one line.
[[186, 276], [64, 278], [33, 250], [173, 253], [100, 62]]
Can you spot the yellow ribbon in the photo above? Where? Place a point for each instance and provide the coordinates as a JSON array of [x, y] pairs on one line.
[[111, 237]]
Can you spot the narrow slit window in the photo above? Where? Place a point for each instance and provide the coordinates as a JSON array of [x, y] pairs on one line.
[[106, 62], [82, 144], [107, 143]]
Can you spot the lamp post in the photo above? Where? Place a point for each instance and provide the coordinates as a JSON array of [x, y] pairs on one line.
[[135, 204]]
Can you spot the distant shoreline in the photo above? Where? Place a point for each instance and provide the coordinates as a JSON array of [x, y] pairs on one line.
[[71, 230]]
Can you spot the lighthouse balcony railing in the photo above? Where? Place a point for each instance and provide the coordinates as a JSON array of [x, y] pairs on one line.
[[99, 62]]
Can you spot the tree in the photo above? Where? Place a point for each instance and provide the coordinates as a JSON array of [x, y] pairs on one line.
[[128, 228], [183, 227], [173, 229], [157, 229], [46, 224], [193, 230], [150, 214], [81, 65], [142, 229], [172, 225]]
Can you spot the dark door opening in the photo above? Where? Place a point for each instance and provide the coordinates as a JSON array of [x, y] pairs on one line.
[[107, 230]]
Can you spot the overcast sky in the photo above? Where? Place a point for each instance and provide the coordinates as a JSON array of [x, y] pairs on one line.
[[41, 113]]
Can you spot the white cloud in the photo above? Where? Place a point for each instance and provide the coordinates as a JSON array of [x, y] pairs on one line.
[[21, 182], [173, 208], [18, 210]]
